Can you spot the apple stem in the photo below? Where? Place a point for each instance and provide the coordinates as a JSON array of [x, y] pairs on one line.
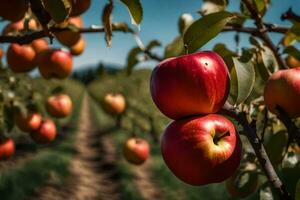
[[217, 138], [259, 149]]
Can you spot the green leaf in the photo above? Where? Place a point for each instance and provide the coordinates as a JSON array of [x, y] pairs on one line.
[[107, 22], [184, 22], [295, 29], [59, 10], [291, 50], [132, 59], [135, 10], [225, 53], [275, 146], [297, 195], [261, 6], [261, 68], [175, 48], [242, 81], [205, 29], [153, 44]]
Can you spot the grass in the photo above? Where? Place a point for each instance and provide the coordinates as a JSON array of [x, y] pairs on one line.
[[49, 163]]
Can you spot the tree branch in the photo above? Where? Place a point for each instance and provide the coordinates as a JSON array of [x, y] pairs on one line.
[[262, 32], [254, 31], [291, 127], [290, 15], [259, 149]]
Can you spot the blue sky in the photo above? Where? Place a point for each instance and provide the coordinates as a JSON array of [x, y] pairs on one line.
[[159, 22]]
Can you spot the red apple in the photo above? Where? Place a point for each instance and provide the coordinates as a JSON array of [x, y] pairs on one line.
[[78, 48], [136, 150], [7, 149], [19, 26], [79, 7], [45, 133], [190, 85], [13, 10], [39, 45], [21, 58], [114, 103], [202, 149], [1, 53], [59, 105], [28, 123], [55, 63], [283, 89]]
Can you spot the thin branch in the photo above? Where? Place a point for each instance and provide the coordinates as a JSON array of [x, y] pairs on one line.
[[254, 31], [293, 130], [259, 149], [290, 15], [262, 32]]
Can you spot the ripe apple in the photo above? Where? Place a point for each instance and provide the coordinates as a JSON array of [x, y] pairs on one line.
[[202, 149], [39, 45], [240, 188], [69, 38], [292, 61], [13, 10], [283, 89], [21, 58], [55, 63], [7, 149], [190, 85], [114, 103], [1, 53], [28, 123], [19, 26], [59, 105], [78, 48], [79, 7], [45, 133], [136, 150]]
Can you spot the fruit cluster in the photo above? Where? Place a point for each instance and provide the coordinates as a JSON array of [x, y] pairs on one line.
[[199, 147], [41, 130]]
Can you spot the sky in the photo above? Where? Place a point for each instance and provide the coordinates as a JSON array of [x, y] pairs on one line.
[[159, 22]]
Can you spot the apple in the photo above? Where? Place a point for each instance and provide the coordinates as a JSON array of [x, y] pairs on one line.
[[21, 58], [55, 63], [201, 150], [19, 26], [45, 133], [79, 7], [136, 150], [7, 149], [78, 48], [1, 53], [13, 10], [190, 85], [292, 61], [283, 89], [67, 37], [28, 123], [59, 105], [114, 103], [240, 188], [39, 45]]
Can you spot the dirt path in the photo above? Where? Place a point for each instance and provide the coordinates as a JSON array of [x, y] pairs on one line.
[[92, 170], [145, 182]]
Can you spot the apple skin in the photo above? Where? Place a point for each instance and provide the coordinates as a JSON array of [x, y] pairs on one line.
[[59, 105], [78, 48], [283, 89], [55, 63], [13, 10], [7, 149], [114, 103], [46, 133], [79, 7], [21, 58], [70, 38], [19, 26], [1, 53], [190, 85], [136, 150], [189, 150], [29, 123], [39, 45]]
